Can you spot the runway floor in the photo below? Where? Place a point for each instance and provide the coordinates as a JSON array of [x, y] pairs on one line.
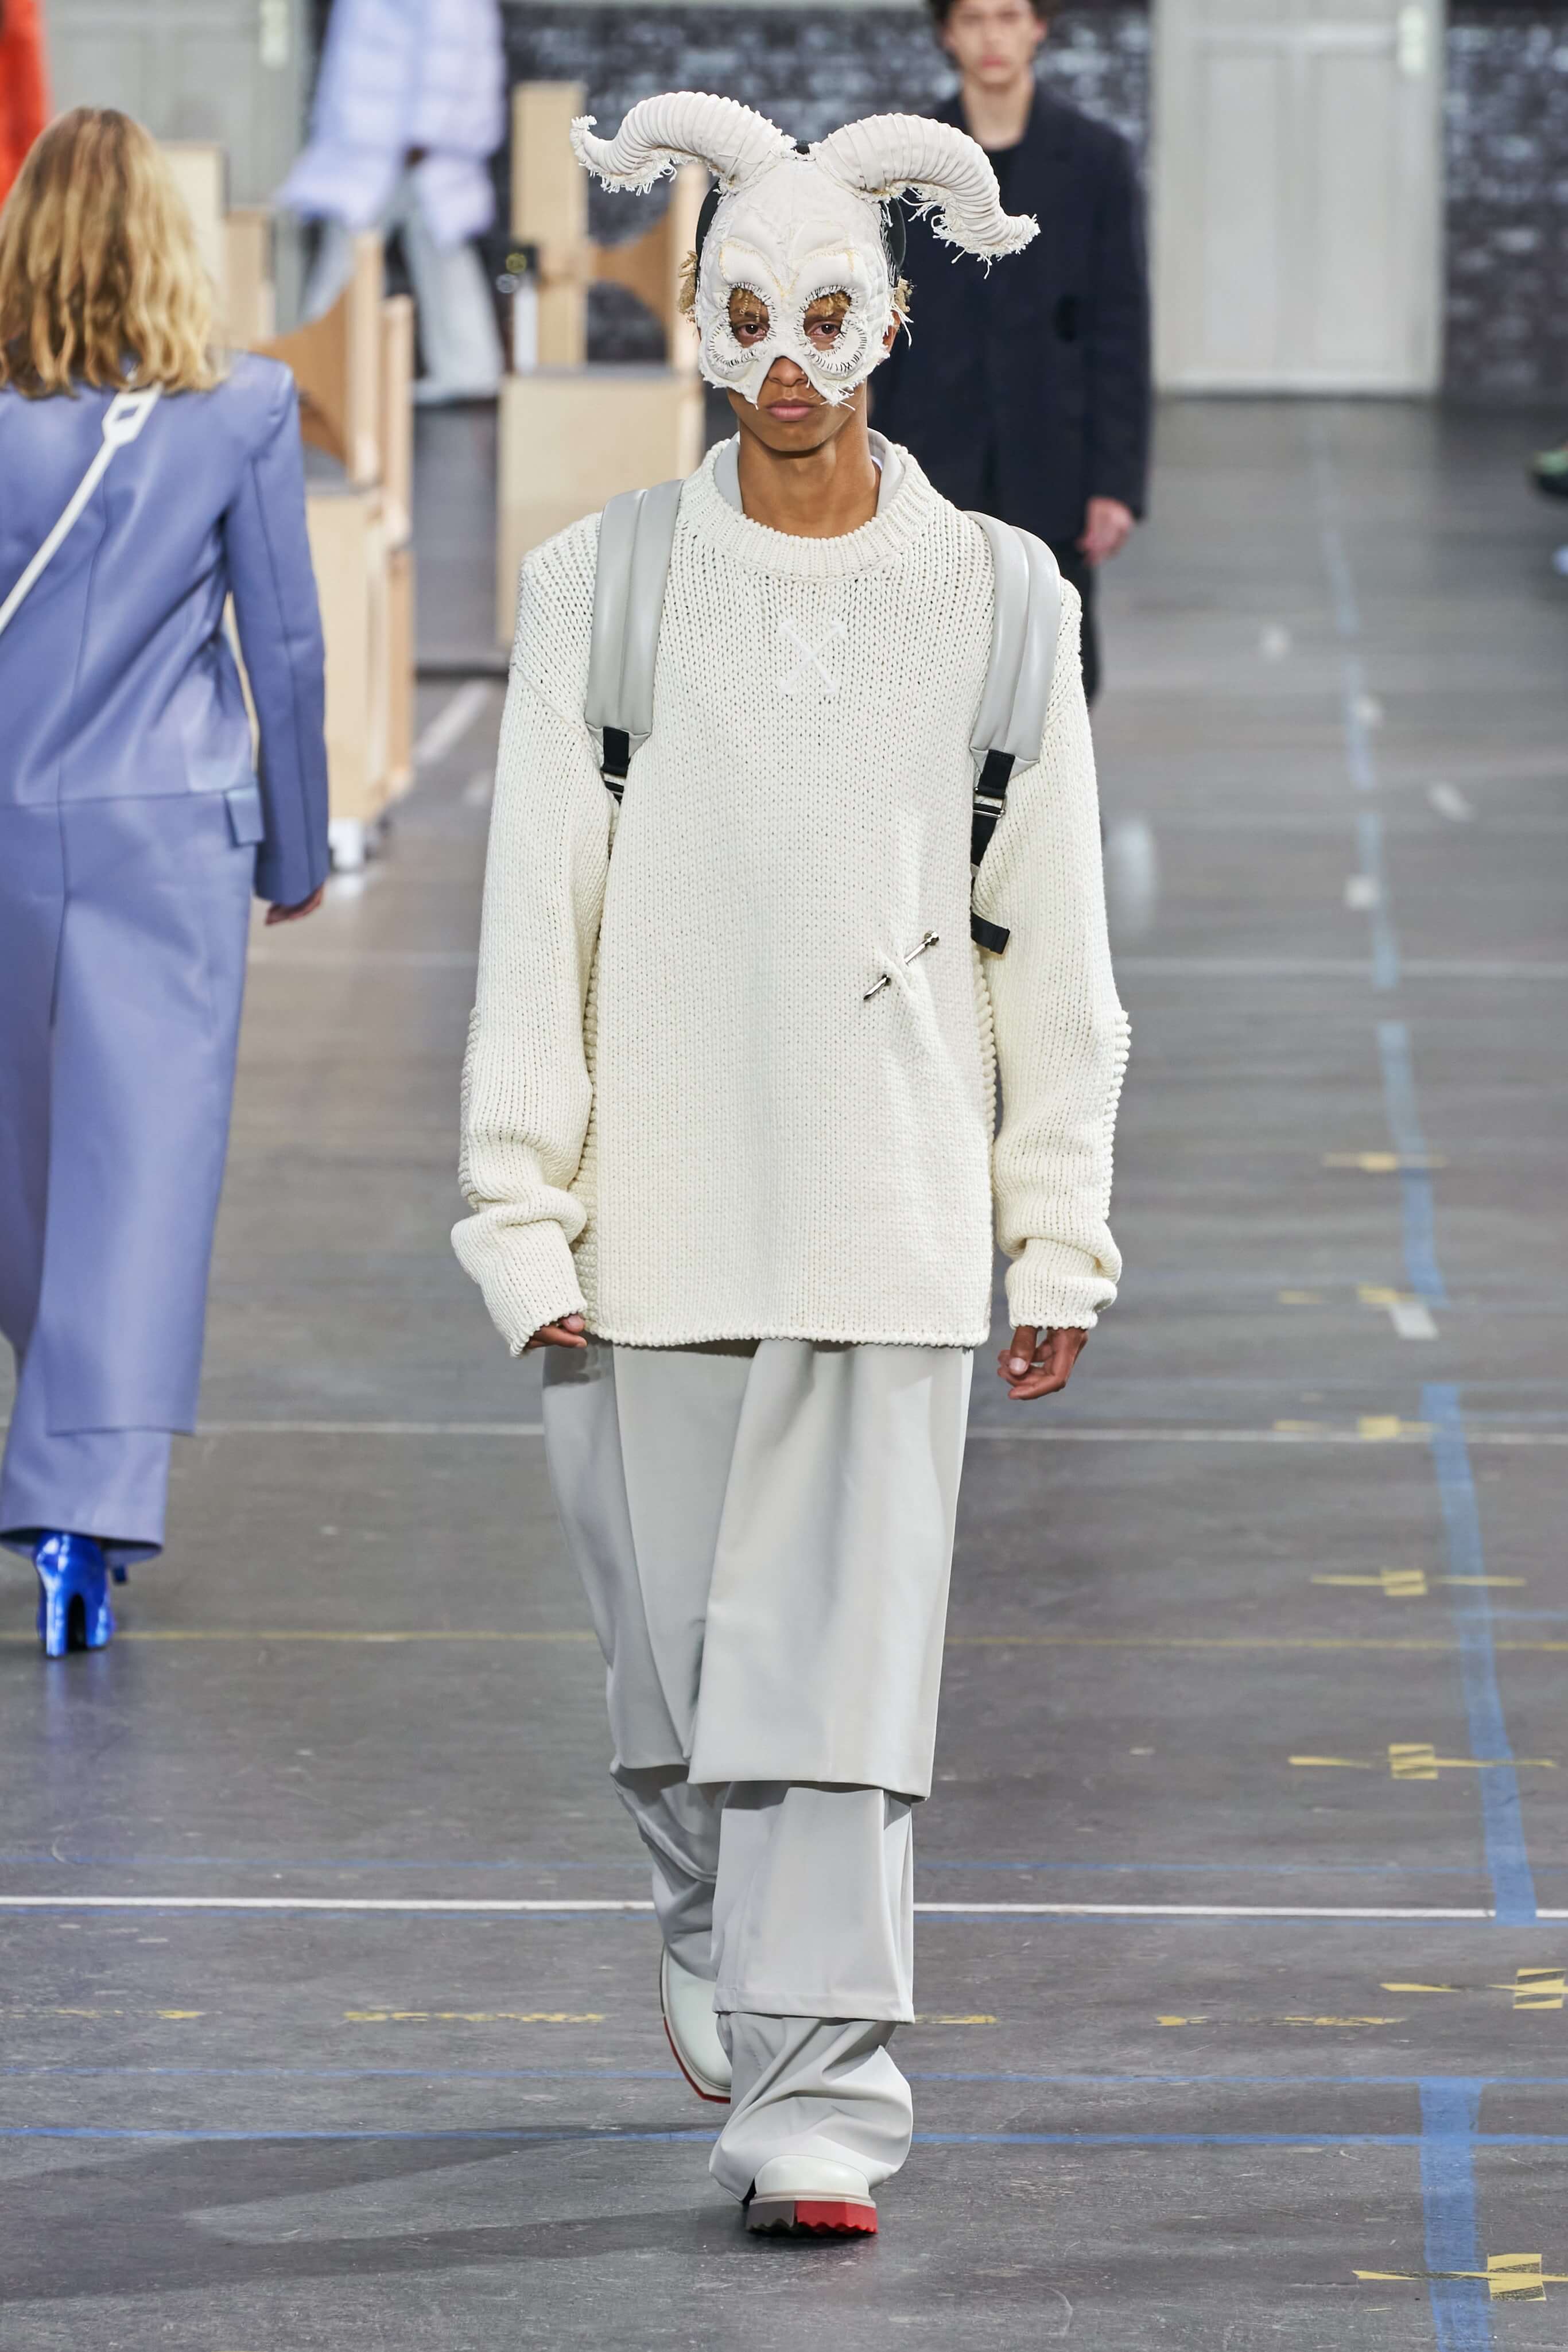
[[328, 1993]]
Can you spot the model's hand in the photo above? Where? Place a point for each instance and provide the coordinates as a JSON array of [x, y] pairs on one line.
[[296, 914], [567, 1333], [1037, 1363], [1107, 525]]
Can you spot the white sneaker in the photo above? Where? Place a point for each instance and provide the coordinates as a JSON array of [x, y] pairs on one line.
[[689, 2022], [811, 2193]]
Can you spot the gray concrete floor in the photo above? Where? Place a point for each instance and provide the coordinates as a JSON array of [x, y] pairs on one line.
[[1263, 2030]]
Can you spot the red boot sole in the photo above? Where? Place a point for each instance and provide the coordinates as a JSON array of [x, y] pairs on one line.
[[826, 2216]]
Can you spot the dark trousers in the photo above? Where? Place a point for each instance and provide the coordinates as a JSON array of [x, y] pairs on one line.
[[1077, 567]]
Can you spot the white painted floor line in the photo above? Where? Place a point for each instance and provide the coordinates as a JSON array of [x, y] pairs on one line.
[[511, 1905], [1451, 802], [1412, 1319], [1328, 968], [452, 722], [1146, 1433], [1361, 892]]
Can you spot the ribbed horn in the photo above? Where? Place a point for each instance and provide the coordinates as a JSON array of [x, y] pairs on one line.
[[683, 126], [944, 167]]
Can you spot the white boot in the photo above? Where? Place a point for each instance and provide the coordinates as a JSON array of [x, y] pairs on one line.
[[692, 2027], [811, 2193]]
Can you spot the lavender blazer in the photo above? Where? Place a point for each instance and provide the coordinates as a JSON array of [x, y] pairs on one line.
[[116, 679]]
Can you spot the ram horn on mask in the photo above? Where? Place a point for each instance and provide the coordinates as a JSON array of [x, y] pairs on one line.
[[943, 166], [684, 126]]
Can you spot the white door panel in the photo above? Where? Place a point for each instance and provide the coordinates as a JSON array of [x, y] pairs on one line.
[[1297, 195]]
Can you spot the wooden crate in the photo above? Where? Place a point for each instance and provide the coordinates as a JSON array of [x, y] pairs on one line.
[[550, 210], [349, 552], [571, 437]]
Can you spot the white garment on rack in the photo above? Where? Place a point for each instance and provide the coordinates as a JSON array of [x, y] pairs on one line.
[[399, 75]]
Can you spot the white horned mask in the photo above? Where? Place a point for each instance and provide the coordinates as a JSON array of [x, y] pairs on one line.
[[792, 225]]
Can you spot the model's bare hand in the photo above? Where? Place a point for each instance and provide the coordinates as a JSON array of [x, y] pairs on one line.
[[1107, 526], [567, 1333], [1037, 1363], [296, 914]]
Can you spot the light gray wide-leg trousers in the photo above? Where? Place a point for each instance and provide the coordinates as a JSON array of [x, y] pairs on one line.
[[764, 1532]]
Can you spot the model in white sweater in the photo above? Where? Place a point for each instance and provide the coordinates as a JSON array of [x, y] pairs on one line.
[[689, 1112], [727, 1135]]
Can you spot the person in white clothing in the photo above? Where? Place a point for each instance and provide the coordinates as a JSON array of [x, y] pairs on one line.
[[409, 107], [729, 1111]]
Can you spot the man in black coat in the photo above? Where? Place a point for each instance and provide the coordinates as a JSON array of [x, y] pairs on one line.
[[1026, 391]]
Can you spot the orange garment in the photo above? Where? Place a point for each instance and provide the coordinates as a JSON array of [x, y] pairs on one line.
[[23, 85]]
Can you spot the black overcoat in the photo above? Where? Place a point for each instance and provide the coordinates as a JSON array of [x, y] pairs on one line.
[[1025, 390]]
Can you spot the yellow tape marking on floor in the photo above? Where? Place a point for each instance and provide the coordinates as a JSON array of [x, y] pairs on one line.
[[473, 2016], [1382, 1163], [1281, 2021], [1394, 1583], [1519, 2278], [1301, 1298], [956, 2020], [1539, 1988], [1415, 1760]]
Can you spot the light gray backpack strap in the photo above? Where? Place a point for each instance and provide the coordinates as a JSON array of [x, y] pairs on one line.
[[1010, 723], [637, 533]]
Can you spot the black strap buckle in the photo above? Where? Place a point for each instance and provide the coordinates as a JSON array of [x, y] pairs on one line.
[[617, 759]]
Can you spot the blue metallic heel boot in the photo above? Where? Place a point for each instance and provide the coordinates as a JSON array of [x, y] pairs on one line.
[[73, 1594]]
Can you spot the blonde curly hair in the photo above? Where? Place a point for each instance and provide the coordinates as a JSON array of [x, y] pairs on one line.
[[101, 279]]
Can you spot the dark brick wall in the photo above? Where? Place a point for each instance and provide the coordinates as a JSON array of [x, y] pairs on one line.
[[1507, 204], [808, 68]]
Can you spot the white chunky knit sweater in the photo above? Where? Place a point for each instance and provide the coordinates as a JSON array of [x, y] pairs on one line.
[[688, 1110]]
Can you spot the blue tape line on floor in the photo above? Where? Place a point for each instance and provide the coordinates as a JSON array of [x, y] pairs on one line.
[[1421, 1267], [1460, 2306], [1502, 1824]]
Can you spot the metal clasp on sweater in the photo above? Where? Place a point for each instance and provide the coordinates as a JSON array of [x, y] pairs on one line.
[[930, 941]]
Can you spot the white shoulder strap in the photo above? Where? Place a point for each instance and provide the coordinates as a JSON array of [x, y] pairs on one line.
[[122, 420], [1010, 723], [637, 533], [1025, 618]]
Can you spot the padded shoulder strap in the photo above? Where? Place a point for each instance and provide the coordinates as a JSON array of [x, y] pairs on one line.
[[1010, 722], [1024, 622], [637, 533]]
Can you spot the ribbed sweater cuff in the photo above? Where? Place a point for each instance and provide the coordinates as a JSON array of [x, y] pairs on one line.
[[526, 1272], [1053, 1288]]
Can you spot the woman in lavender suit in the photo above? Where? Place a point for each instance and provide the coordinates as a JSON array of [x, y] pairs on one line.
[[134, 825]]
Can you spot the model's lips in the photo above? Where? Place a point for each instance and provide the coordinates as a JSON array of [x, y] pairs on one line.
[[787, 411]]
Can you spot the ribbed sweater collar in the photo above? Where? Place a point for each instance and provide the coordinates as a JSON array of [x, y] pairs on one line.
[[888, 536]]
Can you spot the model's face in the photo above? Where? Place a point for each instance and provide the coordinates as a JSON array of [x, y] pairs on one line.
[[789, 416], [992, 42]]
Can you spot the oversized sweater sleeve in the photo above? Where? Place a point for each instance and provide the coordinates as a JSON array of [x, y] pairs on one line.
[[527, 1087], [1061, 1034]]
